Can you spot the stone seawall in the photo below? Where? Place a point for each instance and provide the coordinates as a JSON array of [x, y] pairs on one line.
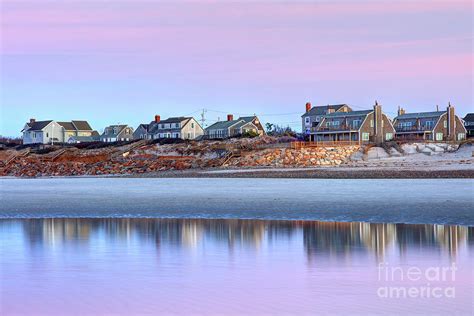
[[305, 157]]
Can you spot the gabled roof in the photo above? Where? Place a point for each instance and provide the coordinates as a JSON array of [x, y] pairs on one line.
[[38, 125], [82, 125], [408, 116], [469, 117], [348, 114], [321, 110], [242, 123], [247, 119], [175, 119], [153, 126], [76, 126], [68, 126], [224, 124], [111, 129], [145, 126]]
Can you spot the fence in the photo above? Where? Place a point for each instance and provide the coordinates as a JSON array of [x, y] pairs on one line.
[[330, 143]]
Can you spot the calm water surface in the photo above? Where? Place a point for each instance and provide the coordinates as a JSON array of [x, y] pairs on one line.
[[139, 266]]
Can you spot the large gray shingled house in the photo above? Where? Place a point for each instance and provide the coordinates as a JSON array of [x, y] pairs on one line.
[[435, 126], [314, 115]]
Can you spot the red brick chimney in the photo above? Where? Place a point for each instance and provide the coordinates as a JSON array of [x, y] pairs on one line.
[[230, 117], [308, 107], [32, 120], [157, 119]]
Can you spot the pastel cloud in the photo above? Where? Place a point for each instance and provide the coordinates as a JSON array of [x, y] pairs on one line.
[[248, 50]]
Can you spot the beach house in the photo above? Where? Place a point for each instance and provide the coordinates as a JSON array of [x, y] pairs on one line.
[[173, 127], [314, 114], [434, 126], [366, 126], [116, 133], [50, 131], [235, 128], [469, 124]]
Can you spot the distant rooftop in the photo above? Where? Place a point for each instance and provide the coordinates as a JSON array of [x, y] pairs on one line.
[[408, 116], [348, 114], [321, 110]]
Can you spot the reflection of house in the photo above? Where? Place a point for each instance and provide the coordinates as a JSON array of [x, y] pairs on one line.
[[116, 133], [46, 132], [469, 124], [359, 126], [232, 128], [436, 126], [314, 115], [173, 127]]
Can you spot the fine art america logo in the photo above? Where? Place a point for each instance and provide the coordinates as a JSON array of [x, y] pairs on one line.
[[415, 282]]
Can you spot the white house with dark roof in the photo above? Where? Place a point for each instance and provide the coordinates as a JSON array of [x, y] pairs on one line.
[[173, 127], [50, 131], [232, 128]]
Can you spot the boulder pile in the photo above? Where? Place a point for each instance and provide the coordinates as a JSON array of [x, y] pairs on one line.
[[286, 157]]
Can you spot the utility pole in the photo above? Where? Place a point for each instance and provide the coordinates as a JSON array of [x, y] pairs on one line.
[[203, 117]]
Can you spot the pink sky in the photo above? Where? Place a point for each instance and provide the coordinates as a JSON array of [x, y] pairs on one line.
[[124, 61]]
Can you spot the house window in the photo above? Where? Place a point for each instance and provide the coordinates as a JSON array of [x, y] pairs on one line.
[[371, 123], [365, 136], [318, 119], [192, 125], [189, 135], [176, 125], [356, 124], [445, 123], [461, 136], [307, 120], [429, 124], [439, 136], [47, 134], [332, 123], [388, 136]]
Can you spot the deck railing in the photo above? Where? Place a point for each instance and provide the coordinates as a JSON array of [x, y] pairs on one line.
[[330, 143]]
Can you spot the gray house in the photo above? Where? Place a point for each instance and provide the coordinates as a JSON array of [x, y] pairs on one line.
[[435, 126], [141, 132], [314, 115], [47, 132], [367, 126], [116, 133], [173, 127], [231, 127]]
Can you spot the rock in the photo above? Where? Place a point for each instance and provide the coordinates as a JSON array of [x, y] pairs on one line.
[[394, 152], [377, 153], [409, 149], [426, 151]]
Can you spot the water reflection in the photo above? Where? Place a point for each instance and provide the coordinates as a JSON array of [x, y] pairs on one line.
[[319, 238]]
